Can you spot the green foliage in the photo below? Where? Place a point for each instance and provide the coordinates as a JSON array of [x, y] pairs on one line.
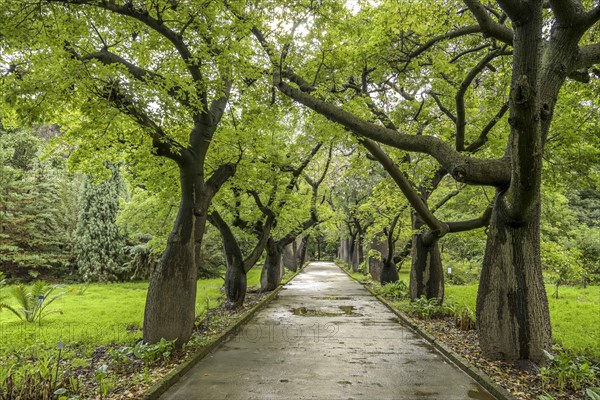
[[4, 295], [463, 272], [147, 353], [394, 290], [35, 198], [564, 372], [98, 242], [425, 308], [593, 393], [33, 301], [36, 374]]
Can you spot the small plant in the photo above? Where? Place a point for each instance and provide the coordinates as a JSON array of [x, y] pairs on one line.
[[425, 308], [566, 372], [147, 353], [33, 302], [34, 373], [101, 376], [394, 290], [464, 319], [593, 393]]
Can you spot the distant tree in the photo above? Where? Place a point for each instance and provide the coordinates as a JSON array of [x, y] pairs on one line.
[[98, 243], [32, 235]]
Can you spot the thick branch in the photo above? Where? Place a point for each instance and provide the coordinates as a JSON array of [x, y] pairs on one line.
[[107, 58], [193, 66], [220, 176], [489, 27], [467, 30], [463, 168], [567, 12], [254, 256], [405, 186], [460, 98], [588, 56], [461, 226], [482, 139], [233, 253], [515, 9]]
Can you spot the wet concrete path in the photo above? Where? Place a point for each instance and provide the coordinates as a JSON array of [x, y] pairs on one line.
[[325, 337]]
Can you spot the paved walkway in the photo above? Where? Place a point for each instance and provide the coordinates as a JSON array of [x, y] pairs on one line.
[[325, 337]]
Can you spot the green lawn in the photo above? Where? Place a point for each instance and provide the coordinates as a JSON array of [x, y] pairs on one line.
[[103, 314]]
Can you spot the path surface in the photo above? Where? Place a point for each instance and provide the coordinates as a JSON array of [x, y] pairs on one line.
[[325, 337]]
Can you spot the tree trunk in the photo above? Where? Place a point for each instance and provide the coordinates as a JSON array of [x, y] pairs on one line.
[[379, 243], [345, 251], [512, 309], [426, 274], [272, 272], [171, 298], [301, 252], [289, 257], [235, 276], [236, 284], [389, 273]]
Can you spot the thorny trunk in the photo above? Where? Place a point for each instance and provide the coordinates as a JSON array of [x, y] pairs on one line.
[[170, 302], [426, 274], [272, 271]]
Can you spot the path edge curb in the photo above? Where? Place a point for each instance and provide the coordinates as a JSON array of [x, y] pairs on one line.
[[160, 387], [478, 375]]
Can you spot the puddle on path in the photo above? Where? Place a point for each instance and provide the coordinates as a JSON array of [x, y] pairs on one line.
[[310, 312]]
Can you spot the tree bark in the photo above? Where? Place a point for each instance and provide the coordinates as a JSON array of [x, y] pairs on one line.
[[171, 298], [272, 271], [235, 276], [512, 309], [389, 272], [426, 274], [289, 256], [378, 243]]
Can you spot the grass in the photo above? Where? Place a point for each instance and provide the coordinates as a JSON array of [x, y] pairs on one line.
[[97, 314]]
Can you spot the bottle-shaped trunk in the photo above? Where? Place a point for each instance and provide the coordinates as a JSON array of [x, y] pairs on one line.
[[272, 272], [512, 309]]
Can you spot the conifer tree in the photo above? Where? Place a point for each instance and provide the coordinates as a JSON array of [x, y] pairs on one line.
[[98, 243]]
